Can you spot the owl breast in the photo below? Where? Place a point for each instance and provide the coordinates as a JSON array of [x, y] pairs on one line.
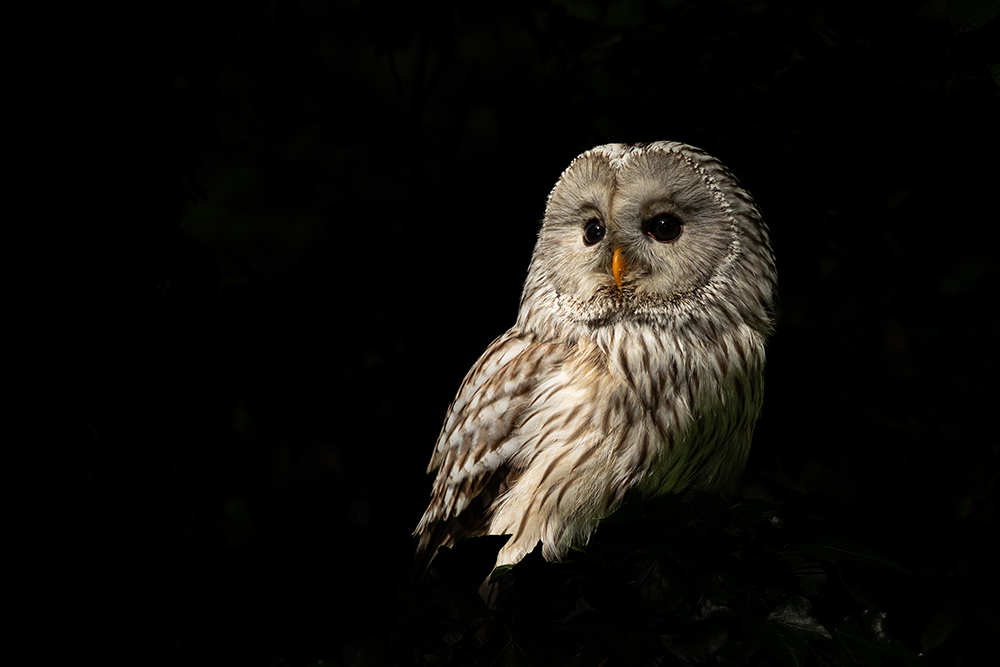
[[664, 424]]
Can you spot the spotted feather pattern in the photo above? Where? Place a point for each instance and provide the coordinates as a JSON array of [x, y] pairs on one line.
[[655, 384]]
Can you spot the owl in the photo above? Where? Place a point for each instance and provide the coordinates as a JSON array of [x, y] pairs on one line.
[[636, 361]]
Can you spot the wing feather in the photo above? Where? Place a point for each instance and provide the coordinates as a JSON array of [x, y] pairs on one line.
[[479, 438]]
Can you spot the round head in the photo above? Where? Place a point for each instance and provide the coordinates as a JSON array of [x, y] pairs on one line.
[[648, 231]]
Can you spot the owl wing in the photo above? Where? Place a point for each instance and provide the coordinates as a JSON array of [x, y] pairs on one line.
[[478, 440]]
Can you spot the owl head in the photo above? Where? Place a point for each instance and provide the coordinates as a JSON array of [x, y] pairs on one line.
[[648, 232]]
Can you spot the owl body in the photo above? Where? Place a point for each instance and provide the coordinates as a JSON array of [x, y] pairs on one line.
[[636, 361]]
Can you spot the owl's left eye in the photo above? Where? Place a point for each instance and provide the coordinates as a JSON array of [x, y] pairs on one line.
[[664, 227], [593, 232]]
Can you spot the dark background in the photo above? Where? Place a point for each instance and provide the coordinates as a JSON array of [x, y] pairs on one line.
[[303, 221]]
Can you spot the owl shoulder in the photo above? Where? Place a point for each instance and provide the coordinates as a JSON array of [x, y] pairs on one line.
[[493, 395]]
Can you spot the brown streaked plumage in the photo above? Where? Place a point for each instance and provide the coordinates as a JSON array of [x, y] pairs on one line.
[[636, 361]]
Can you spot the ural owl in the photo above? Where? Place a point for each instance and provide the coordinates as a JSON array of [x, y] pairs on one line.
[[636, 361]]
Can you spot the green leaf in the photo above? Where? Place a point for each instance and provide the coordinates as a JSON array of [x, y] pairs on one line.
[[874, 622], [812, 578], [707, 608], [786, 631], [748, 514], [863, 639], [853, 645], [500, 573], [659, 589], [512, 656], [793, 618], [371, 654], [753, 620], [940, 629], [835, 548], [626, 514], [972, 14]]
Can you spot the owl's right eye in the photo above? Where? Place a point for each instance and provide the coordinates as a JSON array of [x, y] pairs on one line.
[[593, 232]]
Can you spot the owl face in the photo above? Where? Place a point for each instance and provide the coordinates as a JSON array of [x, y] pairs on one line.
[[637, 229]]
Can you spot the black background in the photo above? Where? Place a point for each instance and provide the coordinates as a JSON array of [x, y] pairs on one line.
[[301, 222]]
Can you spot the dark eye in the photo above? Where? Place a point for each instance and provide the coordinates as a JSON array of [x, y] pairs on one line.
[[593, 232], [664, 227]]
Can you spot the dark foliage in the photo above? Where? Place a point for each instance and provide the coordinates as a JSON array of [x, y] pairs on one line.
[[662, 583]]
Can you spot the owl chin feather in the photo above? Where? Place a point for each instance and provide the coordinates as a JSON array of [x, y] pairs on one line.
[[655, 385]]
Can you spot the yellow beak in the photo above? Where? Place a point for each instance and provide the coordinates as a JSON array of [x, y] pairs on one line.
[[618, 267]]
